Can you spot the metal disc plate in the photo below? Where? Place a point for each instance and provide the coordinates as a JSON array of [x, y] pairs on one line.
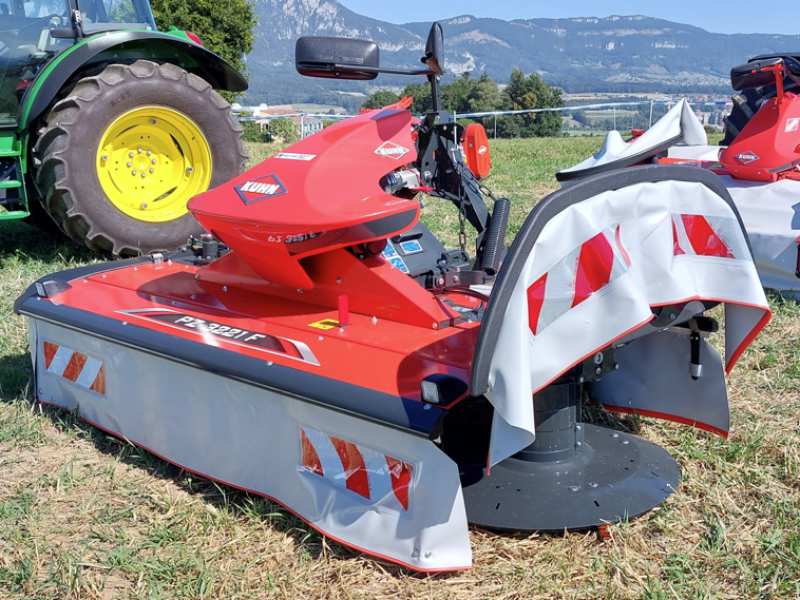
[[618, 476]]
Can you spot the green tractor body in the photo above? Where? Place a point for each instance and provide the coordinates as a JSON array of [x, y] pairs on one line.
[[108, 126]]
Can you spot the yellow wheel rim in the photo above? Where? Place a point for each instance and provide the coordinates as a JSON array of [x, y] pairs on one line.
[[151, 161]]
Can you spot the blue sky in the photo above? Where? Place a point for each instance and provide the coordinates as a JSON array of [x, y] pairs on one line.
[[726, 16]]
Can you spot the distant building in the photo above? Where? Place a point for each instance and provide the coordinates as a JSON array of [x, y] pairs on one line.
[[307, 125]]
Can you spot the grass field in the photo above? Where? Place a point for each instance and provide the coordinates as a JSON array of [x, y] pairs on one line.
[[85, 515]]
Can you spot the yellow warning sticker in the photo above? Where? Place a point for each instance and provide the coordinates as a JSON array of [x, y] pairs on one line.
[[325, 324]]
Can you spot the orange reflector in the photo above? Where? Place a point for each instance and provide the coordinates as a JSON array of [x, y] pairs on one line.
[[476, 147]]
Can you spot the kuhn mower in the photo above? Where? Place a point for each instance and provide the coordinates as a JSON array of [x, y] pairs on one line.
[[760, 168], [320, 347]]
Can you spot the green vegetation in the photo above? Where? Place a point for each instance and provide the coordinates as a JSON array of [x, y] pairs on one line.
[[277, 130], [225, 28], [467, 95], [284, 130], [87, 515]]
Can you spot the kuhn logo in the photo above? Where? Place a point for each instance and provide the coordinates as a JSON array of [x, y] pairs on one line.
[[792, 125], [260, 189], [482, 150], [392, 150], [747, 157]]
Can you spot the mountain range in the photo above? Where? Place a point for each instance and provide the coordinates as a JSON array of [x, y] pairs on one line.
[[611, 54]]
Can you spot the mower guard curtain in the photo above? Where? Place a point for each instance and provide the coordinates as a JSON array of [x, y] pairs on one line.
[[679, 125], [591, 278], [771, 213]]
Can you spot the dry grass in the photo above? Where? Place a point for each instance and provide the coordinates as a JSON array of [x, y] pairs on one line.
[[85, 515]]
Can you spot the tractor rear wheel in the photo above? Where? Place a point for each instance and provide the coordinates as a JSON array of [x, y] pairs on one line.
[[747, 104], [125, 150]]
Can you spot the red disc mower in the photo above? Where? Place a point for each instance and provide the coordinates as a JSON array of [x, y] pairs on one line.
[[319, 346]]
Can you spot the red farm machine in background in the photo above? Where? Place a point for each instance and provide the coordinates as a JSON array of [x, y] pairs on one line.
[[760, 168]]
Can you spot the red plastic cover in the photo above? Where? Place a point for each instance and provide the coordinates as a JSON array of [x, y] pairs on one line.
[[768, 144], [320, 194]]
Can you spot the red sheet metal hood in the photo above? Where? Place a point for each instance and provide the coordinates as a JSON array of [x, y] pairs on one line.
[[321, 193]]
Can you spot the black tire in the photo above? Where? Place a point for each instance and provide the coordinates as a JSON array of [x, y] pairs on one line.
[[747, 104], [65, 153]]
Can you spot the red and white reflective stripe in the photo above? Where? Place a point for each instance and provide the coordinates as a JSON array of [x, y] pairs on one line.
[[371, 474], [700, 235], [83, 370], [582, 272]]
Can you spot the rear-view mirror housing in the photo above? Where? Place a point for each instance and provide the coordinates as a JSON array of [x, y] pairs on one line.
[[338, 58]]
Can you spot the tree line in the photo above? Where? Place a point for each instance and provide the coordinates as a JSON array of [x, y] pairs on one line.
[[469, 95]]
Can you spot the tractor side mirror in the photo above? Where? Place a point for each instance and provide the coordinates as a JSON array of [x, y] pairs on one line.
[[339, 58], [434, 54], [65, 33]]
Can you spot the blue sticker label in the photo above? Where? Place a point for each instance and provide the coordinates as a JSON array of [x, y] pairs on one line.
[[411, 247], [398, 263], [390, 254]]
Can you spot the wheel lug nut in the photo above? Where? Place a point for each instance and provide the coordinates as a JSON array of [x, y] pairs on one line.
[[149, 152], [152, 170], [133, 172], [153, 161], [130, 164], [139, 150], [104, 157], [130, 154], [144, 174], [144, 206], [189, 169]]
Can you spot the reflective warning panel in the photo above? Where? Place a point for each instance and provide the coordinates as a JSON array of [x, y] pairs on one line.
[[700, 235], [584, 271], [373, 475], [78, 368]]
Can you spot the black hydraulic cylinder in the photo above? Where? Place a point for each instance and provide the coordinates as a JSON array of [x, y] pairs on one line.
[[558, 434], [495, 237]]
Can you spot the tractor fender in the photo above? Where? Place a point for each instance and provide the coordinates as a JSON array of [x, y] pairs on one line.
[[123, 46]]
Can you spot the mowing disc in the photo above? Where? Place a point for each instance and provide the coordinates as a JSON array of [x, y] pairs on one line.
[[617, 476]]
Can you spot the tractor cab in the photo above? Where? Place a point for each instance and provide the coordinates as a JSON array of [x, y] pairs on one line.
[[33, 32]]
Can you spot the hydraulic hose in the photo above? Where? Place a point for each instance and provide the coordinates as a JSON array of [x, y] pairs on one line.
[[495, 237]]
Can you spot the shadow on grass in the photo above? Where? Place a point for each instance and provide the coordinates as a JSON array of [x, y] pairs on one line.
[[16, 377], [20, 239]]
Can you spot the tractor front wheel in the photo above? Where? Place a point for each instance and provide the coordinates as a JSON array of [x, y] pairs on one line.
[[125, 151]]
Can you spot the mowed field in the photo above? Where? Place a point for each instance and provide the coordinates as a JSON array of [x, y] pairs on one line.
[[86, 515]]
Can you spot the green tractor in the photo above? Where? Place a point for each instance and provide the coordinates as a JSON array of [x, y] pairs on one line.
[[107, 126]]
